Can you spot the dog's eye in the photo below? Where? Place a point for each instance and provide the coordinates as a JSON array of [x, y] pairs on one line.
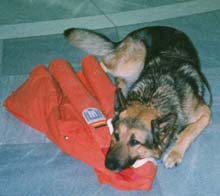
[[134, 142]]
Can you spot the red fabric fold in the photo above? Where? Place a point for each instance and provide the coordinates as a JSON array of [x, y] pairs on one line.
[[63, 105]]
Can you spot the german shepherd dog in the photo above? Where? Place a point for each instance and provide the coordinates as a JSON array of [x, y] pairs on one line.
[[163, 93]]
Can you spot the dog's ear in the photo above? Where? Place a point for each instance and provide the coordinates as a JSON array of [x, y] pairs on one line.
[[120, 106], [121, 100], [163, 129]]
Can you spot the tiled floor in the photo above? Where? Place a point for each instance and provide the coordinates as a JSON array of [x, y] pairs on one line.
[[31, 165], [34, 11]]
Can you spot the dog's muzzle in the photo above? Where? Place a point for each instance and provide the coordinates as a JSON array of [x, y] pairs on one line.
[[112, 164], [116, 164]]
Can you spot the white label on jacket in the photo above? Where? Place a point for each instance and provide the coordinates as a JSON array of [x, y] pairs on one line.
[[93, 115]]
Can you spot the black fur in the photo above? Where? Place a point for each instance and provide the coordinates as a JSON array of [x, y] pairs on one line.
[[167, 78], [172, 71]]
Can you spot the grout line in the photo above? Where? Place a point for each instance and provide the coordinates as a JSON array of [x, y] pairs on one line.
[[107, 21]]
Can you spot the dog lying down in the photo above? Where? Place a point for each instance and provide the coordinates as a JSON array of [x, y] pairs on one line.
[[160, 97]]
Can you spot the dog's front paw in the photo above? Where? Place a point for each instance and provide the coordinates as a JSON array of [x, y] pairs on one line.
[[172, 158]]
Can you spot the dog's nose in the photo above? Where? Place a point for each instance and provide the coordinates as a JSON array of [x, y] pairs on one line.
[[112, 164]]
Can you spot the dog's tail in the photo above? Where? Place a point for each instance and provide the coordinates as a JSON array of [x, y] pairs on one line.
[[89, 41]]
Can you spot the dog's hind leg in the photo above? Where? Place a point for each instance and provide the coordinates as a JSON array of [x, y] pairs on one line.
[[200, 119]]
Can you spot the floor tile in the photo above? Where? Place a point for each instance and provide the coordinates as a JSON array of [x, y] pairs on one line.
[[1, 55], [14, 131], [196, 26], [9, 84], [116, 6], [21, 55], [165, 12], [23, 11]]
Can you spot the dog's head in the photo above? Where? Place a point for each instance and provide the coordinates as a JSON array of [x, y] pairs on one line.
[[138, 133]]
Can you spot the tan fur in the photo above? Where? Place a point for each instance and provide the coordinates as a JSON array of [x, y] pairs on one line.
[[123, 149], [145, 114], [199, 120], [199, 115], [142, 112], [127, 61]]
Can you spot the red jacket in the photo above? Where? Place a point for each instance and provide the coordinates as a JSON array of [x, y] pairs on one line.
[[71, 110]]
